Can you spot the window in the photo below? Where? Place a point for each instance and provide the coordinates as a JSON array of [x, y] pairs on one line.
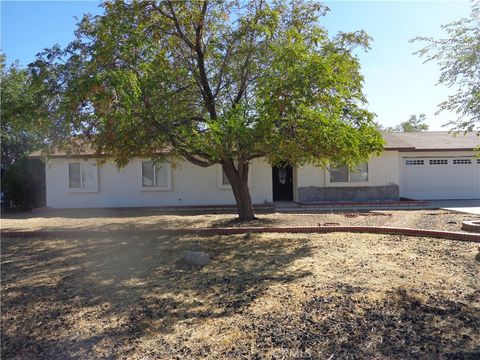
[[156, 175], [438, 162], [339, 174], [82, 176], [225, 180], [413, 162], [478, 161], [344, 174], [461, 161], [360, 173], [74, 176], [222, 180]]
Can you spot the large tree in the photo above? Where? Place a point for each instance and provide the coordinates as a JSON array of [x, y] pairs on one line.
[[458, 55], [22, 180], [213, 82], [18, 135]]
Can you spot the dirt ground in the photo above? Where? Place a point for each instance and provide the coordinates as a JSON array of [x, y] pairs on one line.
[[330, 296], [105, 220]]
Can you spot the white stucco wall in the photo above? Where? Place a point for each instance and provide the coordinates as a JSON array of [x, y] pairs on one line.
[[382, 170], [191, 185], [194, 185]]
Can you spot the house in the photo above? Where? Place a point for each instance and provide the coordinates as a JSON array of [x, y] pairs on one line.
[[424, 165]]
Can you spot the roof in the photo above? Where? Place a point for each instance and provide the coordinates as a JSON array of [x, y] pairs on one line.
[[82, 152], [431, 141], [405, 141]]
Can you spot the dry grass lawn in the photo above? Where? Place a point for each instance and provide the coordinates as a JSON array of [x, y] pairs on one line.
[[106, 220], [330, 296]]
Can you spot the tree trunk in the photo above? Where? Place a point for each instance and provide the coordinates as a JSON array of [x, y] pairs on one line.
[[238, 178]]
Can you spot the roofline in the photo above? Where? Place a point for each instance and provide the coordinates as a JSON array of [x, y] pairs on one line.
[[436, 149], [70, 156]]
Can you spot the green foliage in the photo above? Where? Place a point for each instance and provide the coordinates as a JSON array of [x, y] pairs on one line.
[[458, 55], [213, 82], [22, 179], [24, 182], [18, 127], [413, 124]]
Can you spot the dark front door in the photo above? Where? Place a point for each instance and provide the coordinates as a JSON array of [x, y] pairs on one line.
[[282, 178]]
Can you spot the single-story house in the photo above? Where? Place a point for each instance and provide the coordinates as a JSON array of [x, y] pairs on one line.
[[422, 165]]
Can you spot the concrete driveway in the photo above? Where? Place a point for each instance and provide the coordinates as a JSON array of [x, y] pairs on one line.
[[466, 206]]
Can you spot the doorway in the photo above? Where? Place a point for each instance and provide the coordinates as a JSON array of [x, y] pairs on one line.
[[282, 183]]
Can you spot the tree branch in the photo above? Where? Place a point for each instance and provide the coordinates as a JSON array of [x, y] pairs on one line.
[[195, 161]]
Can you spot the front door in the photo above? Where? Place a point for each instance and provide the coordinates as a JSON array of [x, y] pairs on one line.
[[282, 178]]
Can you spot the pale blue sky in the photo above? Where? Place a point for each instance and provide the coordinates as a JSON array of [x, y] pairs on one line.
[[397, 83]]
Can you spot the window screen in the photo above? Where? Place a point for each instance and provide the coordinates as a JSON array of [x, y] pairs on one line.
[[74, 176], [161, 175], [360, 173], [148, 179], [339, 174]]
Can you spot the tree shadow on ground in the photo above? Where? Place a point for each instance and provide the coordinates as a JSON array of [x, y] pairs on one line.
[[342, 323], [108, 220], [127, 212], [82, 296]]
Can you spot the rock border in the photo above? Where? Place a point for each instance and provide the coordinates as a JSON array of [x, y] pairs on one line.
[[449, 235]]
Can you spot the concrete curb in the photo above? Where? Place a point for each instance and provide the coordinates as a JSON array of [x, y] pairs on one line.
[[450, 235]]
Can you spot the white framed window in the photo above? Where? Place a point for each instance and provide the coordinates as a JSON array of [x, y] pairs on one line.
[[156, 175], [342, 174], [462, 161], [222, 180], [82, 176]]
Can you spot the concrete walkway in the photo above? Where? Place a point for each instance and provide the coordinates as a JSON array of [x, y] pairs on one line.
[[466, 206]]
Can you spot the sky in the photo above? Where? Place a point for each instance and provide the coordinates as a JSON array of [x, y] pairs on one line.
[[397, 82]]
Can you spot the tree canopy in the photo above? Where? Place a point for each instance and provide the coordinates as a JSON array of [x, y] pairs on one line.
[[18, 135], [458, 55], [413, 124], [213, 82], [21, 179]]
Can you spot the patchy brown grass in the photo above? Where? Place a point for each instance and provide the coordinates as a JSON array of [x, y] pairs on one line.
[[262, 296], [154, 219]]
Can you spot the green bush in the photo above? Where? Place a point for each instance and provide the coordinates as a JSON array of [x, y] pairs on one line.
[[24, 183]]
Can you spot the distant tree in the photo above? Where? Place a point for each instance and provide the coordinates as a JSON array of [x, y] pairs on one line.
[[21, 178], [213, 82], [379, 126], [413, 124], [458, 55]]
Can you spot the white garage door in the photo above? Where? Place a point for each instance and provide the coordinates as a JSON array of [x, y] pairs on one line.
[[440, 178]]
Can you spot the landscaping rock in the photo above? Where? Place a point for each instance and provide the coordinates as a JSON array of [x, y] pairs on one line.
[[194, 259]]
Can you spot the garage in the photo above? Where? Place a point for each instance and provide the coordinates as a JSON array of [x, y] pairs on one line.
[[438, 178]]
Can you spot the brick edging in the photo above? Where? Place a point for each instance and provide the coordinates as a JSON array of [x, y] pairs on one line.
[[450, 235], [472, 226]]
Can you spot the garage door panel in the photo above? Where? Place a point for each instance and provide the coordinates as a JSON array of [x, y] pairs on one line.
[[435, 179]]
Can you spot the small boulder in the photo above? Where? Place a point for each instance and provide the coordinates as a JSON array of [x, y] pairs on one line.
[[193, 260]]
